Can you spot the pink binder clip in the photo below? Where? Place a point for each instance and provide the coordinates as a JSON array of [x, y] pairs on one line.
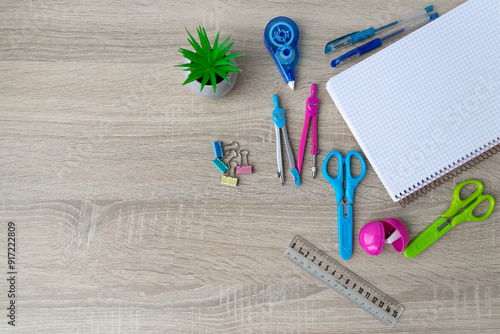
[[244, 169]]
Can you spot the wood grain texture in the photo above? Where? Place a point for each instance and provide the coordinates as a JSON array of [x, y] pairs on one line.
[[122, 223]]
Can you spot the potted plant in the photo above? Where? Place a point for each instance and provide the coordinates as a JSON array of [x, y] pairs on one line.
[[210, 70]]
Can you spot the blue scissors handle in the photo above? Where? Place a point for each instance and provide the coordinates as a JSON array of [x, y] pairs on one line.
[[338, 181], [352, 182]]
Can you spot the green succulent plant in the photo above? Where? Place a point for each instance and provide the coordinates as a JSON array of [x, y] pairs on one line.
[[206, 62]]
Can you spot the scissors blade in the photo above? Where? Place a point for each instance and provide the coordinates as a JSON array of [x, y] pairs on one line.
[[432, 233]]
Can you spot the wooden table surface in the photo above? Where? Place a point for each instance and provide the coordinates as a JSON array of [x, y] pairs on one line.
[[122, 224]]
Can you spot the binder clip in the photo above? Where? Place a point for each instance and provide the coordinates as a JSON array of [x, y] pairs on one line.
[[233, 146], [221, 166], [230, 180], [244, 168], [217, 145], [227, 155]]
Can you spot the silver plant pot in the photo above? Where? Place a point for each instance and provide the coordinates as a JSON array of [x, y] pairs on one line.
[[223, 87]]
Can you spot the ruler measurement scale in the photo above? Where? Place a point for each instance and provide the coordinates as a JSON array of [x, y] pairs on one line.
[[343, 281]]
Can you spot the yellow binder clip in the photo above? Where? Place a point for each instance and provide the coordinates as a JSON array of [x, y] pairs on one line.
[[230, 180]]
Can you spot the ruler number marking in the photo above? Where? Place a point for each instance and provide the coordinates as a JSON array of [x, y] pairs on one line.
[[346, 281]]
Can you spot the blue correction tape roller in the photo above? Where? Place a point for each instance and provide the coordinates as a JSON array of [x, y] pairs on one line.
[[281, 37]]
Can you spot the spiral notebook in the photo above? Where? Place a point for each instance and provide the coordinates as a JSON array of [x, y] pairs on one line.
[[428, 106]]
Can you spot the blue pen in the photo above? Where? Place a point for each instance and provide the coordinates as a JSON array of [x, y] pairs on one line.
[[354, 53], [358, 36]]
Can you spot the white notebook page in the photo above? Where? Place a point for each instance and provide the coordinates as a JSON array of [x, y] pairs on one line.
[[429, 102]]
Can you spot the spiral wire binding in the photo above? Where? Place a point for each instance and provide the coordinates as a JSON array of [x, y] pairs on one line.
[[448, 173]]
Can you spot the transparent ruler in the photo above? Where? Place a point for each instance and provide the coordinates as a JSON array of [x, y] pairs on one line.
[[344, 282]]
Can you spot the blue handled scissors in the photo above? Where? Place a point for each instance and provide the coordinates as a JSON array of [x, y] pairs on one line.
[[344, 199]]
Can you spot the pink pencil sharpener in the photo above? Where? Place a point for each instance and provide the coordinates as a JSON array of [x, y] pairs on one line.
[[374, 235]]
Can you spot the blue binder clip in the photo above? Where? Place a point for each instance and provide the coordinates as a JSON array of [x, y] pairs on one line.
[[217, 145], [221, 166]]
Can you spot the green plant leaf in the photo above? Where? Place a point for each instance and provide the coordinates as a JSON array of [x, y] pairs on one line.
[[225, 61], [208, 63], [195, 75], [214, 81], [193, 43], [216, 42], [205, 80], [222, 62], [194, 57], [228, 68], [188, 80], [229, 57], [222, 74], [225, 50], [217, 51], [205, 44], [188, 65]]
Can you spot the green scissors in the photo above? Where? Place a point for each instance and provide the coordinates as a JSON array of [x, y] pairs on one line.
[[452, 217]]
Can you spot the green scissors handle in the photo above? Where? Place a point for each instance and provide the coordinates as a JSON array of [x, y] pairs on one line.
[[468, 213], [450, 218], [457, 203], [426, 238]]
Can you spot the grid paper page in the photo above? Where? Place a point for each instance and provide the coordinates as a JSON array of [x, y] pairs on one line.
[[429, 102]]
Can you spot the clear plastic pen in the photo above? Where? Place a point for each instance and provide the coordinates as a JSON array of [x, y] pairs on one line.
[[358, 36], [354, 53]]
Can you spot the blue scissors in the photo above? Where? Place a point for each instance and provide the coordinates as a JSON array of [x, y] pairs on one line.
[[344, 222]]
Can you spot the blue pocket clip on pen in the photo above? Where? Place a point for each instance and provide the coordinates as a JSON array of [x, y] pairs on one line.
[[281, 36]]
